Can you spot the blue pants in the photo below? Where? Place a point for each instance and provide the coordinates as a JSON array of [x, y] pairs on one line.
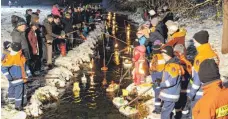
[[155, 77], [18, 93], [167, 109]]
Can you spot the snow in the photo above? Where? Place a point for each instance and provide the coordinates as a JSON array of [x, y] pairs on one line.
[[58, 76]]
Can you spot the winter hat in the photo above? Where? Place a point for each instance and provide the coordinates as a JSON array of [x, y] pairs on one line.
[[208, 71], [201, 37], [50, 16], [156, 49], [172, 26], [6, 44], [168, 50], [16, 46], [157, 42], [152, 12], [179, 48], [20, 22]]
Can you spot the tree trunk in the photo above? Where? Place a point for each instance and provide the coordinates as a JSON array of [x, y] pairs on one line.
[[225, 28]]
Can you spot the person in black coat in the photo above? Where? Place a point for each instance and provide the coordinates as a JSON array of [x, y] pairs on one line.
[[57, 28], [68, 27]]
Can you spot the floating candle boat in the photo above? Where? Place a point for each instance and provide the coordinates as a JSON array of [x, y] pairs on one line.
[[76, 87], [127, 64], [119, 102], [84, 79], [112, 87], [128, 111]]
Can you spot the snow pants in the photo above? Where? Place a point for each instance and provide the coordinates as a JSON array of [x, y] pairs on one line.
[[167, 109], [156, 78], [18, 93]]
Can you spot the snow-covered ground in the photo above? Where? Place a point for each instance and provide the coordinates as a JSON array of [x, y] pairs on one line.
[[62, 73]]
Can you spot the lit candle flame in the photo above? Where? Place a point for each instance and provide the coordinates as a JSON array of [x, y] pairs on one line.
[[141, 71], [116, 45]]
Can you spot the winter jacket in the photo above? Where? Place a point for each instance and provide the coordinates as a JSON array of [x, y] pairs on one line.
[[177, 38], [32, 38], [57, 28], [47, 31], [15, 69], [139, 60], [171, 82], [68, 25], [20, 37], [28, 18], [77, 17], [213, 104], [55, 11], [157, 63], [204, 52], [142, 40]]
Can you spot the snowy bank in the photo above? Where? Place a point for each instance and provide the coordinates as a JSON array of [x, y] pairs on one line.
[[66, 66]]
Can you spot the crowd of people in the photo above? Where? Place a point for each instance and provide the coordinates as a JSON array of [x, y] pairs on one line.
[[193, 89], [34, 45], [183, 89]]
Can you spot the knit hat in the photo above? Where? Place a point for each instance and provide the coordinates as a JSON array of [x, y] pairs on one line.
[[179, 48], [168, 50], [6, 44], [157, 42], [156, 49], [172, 26], [201, 37], [21, 22], [16, 46], [208, 71]]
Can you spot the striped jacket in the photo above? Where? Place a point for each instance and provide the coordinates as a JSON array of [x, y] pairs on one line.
[[171, 82], [13, 70], [204, 52]]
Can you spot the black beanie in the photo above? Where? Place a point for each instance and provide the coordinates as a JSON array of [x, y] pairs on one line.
[[168, 50], [202, 37], [208, 71], [6, 44], [21, 22], [16, 46], [156, 49]]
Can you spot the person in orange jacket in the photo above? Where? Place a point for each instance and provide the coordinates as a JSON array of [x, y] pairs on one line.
[[157, 66], [176, 35], [214, 103]]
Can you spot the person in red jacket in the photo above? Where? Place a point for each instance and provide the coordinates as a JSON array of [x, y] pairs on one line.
[[139, 60], [34, 46]]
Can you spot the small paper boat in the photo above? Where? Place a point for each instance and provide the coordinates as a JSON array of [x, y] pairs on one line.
[[119, 102], [128, 111], [127, 64], [112, 87]]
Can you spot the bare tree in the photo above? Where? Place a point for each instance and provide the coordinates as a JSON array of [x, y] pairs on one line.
[[225, 28]]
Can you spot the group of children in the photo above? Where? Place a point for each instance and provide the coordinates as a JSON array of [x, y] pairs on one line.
[[180, 86]]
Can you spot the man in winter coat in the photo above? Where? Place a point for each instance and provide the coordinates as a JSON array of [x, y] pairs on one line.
[[139, 60], [59, 43], [28, 16], [171, 83], [214, 102], [16, 71], [18, 35], [35, 49], [68, 27], [157, 66], [49, 35], [204, 52]]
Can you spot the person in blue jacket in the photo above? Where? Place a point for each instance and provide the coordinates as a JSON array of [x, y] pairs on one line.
[[16, 71], [171, 83]]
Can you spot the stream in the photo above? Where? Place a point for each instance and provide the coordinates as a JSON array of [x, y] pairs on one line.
[[93, 102]]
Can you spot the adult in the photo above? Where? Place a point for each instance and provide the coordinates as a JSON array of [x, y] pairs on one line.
[[68, 27], [18, 35]]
